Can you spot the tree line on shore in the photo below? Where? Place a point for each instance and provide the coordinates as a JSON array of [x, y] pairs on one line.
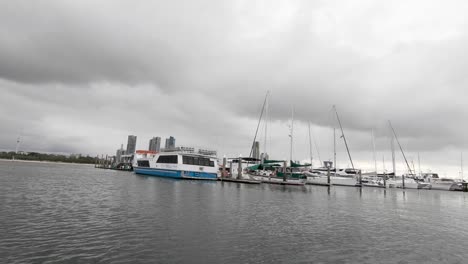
[[48, 157]]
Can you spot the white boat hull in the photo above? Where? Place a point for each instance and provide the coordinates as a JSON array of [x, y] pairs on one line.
[[278, 180], [449, 186]]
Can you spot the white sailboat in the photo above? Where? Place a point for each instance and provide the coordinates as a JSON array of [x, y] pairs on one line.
[[318, 176], [407, 181], [339, 177], [372, 179], [276, 172]]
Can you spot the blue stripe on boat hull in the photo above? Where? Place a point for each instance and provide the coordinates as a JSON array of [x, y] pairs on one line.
[[176, 174]]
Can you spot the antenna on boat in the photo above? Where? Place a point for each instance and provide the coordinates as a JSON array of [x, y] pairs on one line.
[[258, 125]]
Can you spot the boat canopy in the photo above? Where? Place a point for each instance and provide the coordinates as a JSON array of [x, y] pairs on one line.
[[272, 161], [248, 159]]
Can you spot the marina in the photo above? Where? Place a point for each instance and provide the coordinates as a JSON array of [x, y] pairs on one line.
[[226, 132]]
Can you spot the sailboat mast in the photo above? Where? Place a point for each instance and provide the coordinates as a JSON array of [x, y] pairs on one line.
[[375, 157], [258, 124], [310, 147], [461, 164], [392, 145], [292, 132], [419, 165], [383, 163], [344, 138], [398, 142], [334, 149], [266, 126]]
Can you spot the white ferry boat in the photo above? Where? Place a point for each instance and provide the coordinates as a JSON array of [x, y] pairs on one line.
[[178, 165]]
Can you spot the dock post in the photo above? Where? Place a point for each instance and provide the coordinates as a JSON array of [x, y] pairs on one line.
[[328, 175], [223, 172], [385, 180], [402, 181], [284, 171], [239, 168], [360, 179]]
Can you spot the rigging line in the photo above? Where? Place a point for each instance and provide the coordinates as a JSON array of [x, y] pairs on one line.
[[317, 148], [344, 138], [258, 125], [310, 147], [393, 130]]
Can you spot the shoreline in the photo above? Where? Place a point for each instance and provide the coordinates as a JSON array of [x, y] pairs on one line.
[[45, 161]]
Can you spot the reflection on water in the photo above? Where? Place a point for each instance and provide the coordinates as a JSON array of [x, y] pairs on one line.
[[74, 213]]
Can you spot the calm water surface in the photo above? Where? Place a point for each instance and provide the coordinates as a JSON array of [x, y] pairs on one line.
[[59, 213]]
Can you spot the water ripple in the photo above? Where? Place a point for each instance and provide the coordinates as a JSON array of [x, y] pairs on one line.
[[59, 213]]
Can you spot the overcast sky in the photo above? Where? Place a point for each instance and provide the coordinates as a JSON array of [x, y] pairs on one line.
[[79, 76]]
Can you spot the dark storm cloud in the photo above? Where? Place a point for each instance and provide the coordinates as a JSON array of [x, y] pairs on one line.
[[82, 42], [100, 70]]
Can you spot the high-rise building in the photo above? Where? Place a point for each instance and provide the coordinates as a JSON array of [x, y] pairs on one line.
[[131, 144], [119, 154], [170, 143], [256, 150], [155, 144], [264, 156]]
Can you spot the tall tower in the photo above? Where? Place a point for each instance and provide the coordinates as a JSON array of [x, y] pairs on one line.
[[155, 144], [18, 140], [131, 144], [170, 143], [118, 154], [256, 150]]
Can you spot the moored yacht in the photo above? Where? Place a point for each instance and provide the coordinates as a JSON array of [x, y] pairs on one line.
[[410, 183], [445, 184], [272, 172], [342, 177]]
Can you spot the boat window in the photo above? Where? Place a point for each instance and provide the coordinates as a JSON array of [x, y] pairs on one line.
[[187, 160], [167, 159], [143, 163], [198, 161]]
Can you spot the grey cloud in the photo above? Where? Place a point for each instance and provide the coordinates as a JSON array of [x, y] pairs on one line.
[[200, 70]]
